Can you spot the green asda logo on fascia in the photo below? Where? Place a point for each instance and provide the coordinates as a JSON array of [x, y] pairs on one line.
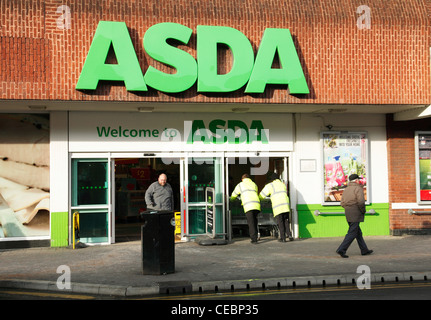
[[221, 131], [218, 131], [254, 72]]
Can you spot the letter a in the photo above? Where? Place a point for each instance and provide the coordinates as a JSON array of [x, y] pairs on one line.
[[364, 280], [290, 73], [127, 69], [63, 281]]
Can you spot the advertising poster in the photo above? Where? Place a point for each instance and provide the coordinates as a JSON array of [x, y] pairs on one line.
[[343, 154], [24, 176], [424, 146]]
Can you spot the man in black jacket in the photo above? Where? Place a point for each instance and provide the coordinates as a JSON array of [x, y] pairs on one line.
[[353, 202]]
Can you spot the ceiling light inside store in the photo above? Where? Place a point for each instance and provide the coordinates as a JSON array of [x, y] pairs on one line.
[[145, 109]]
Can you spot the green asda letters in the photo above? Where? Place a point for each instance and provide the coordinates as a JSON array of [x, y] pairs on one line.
[[247, 71], [232, 131], [127, 69], [155, 44]]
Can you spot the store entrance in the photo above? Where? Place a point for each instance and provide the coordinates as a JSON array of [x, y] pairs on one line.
[[109, 193], [133, 176], [259, 169]]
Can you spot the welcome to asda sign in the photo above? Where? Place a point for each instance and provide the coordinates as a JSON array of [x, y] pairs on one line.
[[179, 132], [247, 70]]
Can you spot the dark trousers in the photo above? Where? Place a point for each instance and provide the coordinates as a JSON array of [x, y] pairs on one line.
[[283, 225], [252, 223], [353, 233]]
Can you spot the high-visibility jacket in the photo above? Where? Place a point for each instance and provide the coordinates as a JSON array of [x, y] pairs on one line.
[[277, 192], [249, 197]]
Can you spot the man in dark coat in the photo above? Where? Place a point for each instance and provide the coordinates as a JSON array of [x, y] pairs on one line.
[[353, 202]]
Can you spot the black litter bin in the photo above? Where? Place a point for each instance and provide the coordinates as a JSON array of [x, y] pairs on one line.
[[158, 242]]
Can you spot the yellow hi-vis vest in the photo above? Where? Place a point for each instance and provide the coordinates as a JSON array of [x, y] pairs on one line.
[[277, 192], [249, 197]]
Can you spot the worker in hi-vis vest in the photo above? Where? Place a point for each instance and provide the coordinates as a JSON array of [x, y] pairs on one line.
[[250, 202], [277, 192]]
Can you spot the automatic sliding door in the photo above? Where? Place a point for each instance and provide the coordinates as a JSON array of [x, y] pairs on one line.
[[202, 173], [90, 197]]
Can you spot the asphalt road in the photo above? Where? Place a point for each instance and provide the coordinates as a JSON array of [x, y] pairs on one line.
[[381, 291], [385, 298], [414, 290]]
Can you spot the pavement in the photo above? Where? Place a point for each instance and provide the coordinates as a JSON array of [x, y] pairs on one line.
[[116, 269]]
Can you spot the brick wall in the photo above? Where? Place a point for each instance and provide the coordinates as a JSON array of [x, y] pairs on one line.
[[387, 64], [402, 174]]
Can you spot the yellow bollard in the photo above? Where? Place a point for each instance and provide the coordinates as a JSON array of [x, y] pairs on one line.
[[177, 223], [75, 222]]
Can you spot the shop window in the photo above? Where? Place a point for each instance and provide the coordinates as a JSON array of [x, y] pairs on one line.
[[344, 153], [93, 225], [423, 166], [90, 182]]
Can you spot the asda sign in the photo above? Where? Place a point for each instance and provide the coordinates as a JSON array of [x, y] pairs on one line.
[[218, 131], [253, 72], [179, 132], [232, 131]]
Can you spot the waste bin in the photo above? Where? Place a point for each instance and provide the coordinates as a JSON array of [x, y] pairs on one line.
[[158, 242]]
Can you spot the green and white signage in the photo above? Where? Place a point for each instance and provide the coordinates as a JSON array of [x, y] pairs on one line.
[[253, 72], [137, 132]]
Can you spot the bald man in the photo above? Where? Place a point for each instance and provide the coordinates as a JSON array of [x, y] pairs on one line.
[[159, 195]]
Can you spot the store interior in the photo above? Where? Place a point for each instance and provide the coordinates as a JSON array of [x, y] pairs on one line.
[[132, 178], [134, 175]]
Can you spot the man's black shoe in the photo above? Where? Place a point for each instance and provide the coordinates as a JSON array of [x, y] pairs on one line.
[[368, 252], [342, 254]]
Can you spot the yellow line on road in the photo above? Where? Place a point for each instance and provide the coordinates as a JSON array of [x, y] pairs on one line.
[[250, 293], [49, 295]]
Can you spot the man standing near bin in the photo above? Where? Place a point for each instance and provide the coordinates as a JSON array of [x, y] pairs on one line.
[[157, 235], [159, 195], [277, 192], [250, 202], [353, 202]]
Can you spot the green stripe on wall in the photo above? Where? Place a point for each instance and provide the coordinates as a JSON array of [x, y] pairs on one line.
[[311, 226], [59, 229]]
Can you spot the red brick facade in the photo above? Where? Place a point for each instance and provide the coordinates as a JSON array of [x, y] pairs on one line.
[[402, 174], [387, 64]]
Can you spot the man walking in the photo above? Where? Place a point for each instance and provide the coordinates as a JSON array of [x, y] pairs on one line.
[[353, 202], [277, 192], [250, 202]]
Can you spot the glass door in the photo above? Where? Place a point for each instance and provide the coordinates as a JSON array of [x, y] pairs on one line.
[[91, 198], [132, 174], [204, 172]]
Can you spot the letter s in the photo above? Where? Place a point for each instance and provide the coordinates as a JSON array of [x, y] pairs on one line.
[[155, 44]]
